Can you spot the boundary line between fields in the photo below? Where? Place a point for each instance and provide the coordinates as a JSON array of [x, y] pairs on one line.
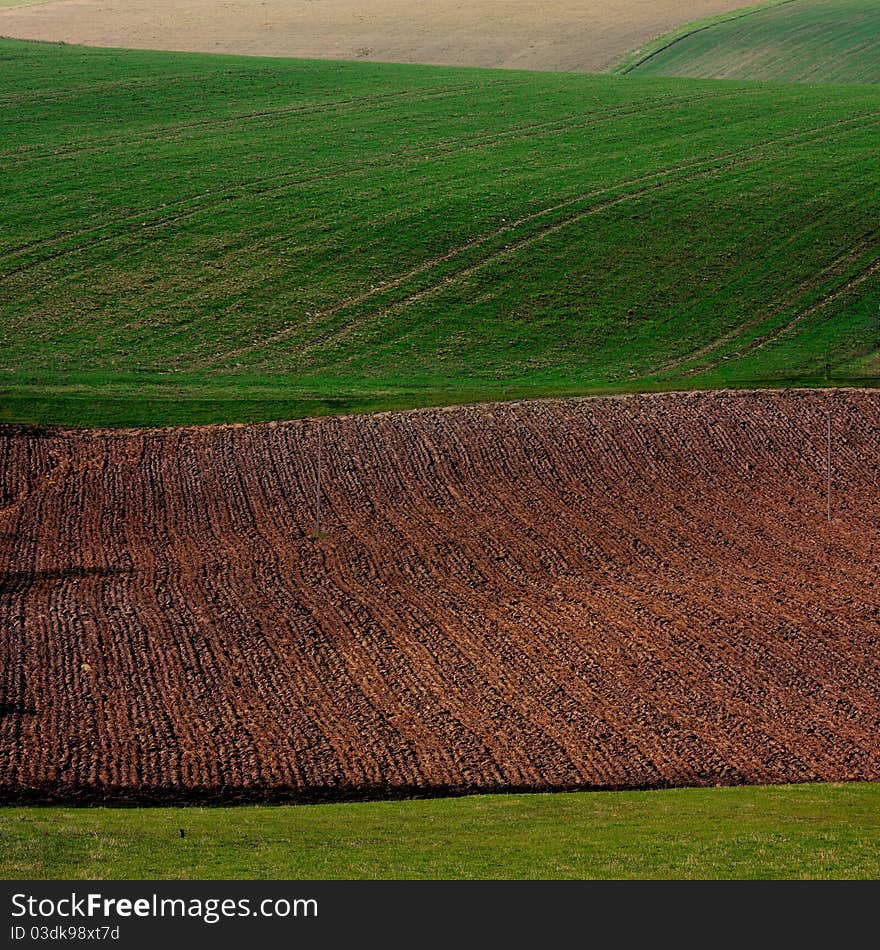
[[668, 40]]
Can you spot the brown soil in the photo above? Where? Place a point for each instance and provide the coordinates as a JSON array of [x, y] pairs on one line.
[[634, 592], [582, 35]]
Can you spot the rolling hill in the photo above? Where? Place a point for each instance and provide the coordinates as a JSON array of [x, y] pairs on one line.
[[635, 592], [827, 41], [221, 239], [632, 592], [515, 34]]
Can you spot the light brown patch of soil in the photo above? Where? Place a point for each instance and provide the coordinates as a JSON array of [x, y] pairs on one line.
[[579, 35], [635, 592]]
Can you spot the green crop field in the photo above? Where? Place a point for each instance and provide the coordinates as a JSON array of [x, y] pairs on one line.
[[830, 41], [798, 831], [193, 238]]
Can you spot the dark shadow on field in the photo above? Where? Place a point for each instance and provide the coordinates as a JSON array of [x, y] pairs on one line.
[[16, 709], [17, 430], [14, 582], [222, 796]]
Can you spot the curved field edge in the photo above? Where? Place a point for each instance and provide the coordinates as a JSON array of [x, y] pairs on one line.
[[157, 404], [563, 36], [225, 239], [806, 41], [609, 593], [661, 43], [775, 832]]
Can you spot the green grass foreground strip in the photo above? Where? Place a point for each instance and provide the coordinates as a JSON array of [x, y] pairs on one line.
[[798, 831], [193, 238]]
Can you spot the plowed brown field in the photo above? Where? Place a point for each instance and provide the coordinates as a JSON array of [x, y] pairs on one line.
[[585, 35], [609, 593]]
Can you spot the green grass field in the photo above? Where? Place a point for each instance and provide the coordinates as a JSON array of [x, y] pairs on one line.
[[828, 41], [796, 831], [191, 238]]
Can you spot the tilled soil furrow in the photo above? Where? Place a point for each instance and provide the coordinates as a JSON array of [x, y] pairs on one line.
[[595, 593]]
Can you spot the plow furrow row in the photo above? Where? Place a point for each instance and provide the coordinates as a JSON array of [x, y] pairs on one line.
[[597, 593]]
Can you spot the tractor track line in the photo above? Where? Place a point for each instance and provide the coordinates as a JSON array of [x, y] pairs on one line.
[[277, 183], [849, 256], [737, 157], [864, 274], [267, 115]]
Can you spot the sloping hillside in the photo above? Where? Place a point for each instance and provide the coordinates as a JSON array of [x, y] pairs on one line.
[[221, 239], [580, 35], [829, 41], [637, 592]]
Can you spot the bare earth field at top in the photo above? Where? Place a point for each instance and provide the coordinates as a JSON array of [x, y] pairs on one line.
[[578, 35], [630, 592]]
